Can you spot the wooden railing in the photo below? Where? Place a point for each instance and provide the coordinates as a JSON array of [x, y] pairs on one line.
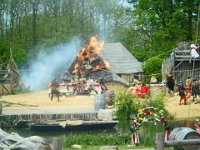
[[161, 143], [182, 55]]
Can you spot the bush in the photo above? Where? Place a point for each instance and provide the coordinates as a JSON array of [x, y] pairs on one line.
[[147, 133], [98, 139], [125, 104]]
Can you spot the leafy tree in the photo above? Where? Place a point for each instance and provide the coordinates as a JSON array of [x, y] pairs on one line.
[[157, 26], [152, 66], [20, 55]]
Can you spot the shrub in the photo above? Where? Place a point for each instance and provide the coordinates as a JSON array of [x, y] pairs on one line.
[[125, 104], [98, 139]]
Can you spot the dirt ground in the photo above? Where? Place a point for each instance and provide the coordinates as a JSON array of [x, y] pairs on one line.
[[182, 111], [39, 100]]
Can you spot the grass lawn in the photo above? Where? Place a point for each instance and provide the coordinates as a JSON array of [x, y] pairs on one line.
[[128, 147]]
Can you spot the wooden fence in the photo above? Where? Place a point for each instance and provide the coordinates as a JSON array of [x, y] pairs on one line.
[[5, 82], [161, 143]]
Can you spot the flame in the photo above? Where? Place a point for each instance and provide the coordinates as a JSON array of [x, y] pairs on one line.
[[88, 58]]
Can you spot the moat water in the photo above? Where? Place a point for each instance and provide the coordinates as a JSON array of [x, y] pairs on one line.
[[121, 128]]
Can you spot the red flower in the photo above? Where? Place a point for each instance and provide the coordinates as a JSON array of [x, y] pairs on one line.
[[161, 121], [148, 112]]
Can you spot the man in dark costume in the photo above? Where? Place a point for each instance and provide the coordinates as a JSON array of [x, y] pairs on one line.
[[102, 81], [54, 89], [170, 84]]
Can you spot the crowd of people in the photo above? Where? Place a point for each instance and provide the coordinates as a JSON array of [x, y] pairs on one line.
[[186, 90], [140, 90], [78, 86]]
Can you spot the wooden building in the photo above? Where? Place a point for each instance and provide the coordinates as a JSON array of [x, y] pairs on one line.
[[9, 78], [181, 64], [122, 63]]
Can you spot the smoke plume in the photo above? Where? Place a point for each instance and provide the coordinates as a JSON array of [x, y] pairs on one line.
[[47, 66]]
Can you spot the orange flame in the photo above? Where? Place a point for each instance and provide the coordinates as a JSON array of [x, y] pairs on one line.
[[88, 57]]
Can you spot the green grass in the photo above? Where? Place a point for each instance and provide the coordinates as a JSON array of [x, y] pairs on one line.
[[126, 147]]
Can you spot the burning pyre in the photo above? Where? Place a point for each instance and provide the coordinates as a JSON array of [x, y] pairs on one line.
[[88, 59]]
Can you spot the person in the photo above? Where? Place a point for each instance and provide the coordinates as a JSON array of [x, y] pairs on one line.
[[194, 88], [90, 85], [181, 90], [153, 79], [54, 89], [76, 85], [193, 51], [197, 124], [82, 82], [188, 84], [170, 84], [135, 88], [102, 81], [144, 91]]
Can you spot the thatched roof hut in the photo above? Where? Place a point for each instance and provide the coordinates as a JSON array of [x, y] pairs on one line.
[[123, 66], [120, 59]]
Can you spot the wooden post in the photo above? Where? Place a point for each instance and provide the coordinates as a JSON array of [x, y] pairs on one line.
[[57, 143], [160, 141]]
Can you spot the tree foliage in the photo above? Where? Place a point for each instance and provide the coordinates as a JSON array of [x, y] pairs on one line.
[[6, 50], [146, 27], [158, 26]]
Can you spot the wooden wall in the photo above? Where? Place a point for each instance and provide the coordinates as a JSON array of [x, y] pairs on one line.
[[130, 77], [5, 89], [186, 69], [181, 65]]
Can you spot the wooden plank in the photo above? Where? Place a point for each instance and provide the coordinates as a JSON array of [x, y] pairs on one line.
[[182, 59], [182, 51], [190, 142], [57, 143], [20, 104], [178, 65], [160, 141], [182, 56]]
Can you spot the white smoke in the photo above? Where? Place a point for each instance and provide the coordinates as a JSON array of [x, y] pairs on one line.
[[45, 66]]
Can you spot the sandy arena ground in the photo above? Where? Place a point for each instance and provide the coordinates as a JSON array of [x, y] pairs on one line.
[[182, 111], [39, 102]]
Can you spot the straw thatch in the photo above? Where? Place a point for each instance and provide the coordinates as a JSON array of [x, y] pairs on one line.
[[120, 59]]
